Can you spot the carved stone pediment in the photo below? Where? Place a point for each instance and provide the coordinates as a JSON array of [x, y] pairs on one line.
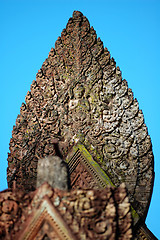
[[45, 221], [77, 214], [79, 95], [84, 172]]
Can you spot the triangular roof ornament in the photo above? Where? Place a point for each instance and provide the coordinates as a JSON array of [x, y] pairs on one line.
[[79, 95], [47, 220]]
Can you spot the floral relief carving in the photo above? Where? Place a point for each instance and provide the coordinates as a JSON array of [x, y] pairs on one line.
[[79, 95]]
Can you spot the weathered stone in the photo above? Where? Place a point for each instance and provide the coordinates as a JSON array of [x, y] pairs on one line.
[[53, 170], [55, 214], [79, 96]]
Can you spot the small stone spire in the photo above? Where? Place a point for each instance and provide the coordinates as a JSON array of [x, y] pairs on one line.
[[52, 169]]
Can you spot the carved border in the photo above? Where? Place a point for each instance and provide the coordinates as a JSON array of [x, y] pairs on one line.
[[46, 211], [80, 154]]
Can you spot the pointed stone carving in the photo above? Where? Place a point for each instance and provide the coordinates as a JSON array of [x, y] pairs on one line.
[[79, 95]]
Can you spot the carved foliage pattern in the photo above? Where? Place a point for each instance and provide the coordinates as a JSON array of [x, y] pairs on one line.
[[79, 95], [11, 207], [88, 214]]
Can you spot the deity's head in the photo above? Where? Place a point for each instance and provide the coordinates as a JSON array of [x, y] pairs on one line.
[[78, 91]]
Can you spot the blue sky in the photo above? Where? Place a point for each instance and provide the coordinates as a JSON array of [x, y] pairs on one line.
[[130, 31]]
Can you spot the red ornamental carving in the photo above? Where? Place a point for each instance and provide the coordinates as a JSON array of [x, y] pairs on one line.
[[57, 214], [79, 96]]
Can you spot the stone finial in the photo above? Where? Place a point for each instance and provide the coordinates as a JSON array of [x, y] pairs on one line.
[[52, 169]]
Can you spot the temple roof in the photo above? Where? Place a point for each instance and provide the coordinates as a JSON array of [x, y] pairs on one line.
[[79, 96], [56, 214]]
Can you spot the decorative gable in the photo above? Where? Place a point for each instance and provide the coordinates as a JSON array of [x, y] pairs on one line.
[[84, 172], [44, 222], [79, 95], [77, 214]]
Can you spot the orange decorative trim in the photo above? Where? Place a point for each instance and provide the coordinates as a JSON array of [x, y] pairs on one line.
[[46, 212]]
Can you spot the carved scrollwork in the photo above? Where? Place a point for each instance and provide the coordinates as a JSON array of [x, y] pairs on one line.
[[9, 212], [84, 206], [113, 147], [79, 95]]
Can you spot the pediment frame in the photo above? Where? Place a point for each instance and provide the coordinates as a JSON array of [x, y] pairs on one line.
[[46, 212], [80, 156]]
